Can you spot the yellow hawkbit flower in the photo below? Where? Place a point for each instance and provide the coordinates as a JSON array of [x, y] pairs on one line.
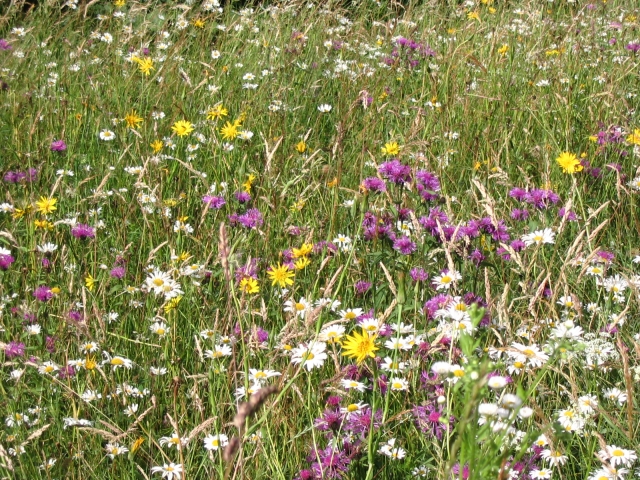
[[172, 304], [230, 130], [182, 128], [281, 275], [249, 285], [46, 205], [90, 282], [503, 49], [249, 183], [144, 64], [133, 120], [391, 148], [304, 251], [634, 138], [198, 23], [156, 145], [359, 346], [473, 16], [43, 224], [301, 263], [217, 112], [569, 163], [301, 146]]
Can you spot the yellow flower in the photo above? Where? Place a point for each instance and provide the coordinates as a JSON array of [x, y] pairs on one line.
[[303, 251], [43, 224], [182, 128], [136, 445], [503, 49], [230, 130], [359, 346], [249, 183], [133, 120], [333, 183], [172, 304], [156, 145], [473, 16], [301, 146], [217, 112], [144, 64], [391, 148], [198, 23], [569, 163], [46, 205], [281, 275], [90, 282], [119, 3], [90, 363], [634, 138], [302, 263], [249, 285]]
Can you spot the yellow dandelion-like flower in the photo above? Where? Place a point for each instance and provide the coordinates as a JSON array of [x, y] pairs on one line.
[[217, 112], [172, 304], [282, 275], [249, 285], [634, 138], [303, 251], [230, 130], [249, 183], [391, 148], [198, 23], [359, 346], [569, 163], [46, 205], [156, 145], [302, 263], [133, 120], [301, 146], [144, 64], [90, 282], [182, 128]]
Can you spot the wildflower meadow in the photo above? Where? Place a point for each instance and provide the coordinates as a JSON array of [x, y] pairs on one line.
[[320, 239]]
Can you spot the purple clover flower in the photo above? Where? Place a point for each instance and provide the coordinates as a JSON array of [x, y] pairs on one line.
[[4, 45], [418, 274], [361, 287], [117, 272], [6, 259]]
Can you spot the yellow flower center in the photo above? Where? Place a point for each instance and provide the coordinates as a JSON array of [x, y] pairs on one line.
[[397, 385], [117, 361], [260, 375], [446, 279], [353, 408], [158, 282], [299, 306], [350, 315]]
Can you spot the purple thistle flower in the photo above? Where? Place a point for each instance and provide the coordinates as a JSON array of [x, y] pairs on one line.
[[43, 293], [6, 260], [242, 197], [427, 185], [76, 316], [251, 219], [261, 335], [517, 245], [374, 184], [476, 257], [633, 47], [83, 231], [214, 202], [14, 349], [330, 420], [404, 245], [66, 372], [50, 344], [333, 463], [429, 420], [418, 274], [58, 146], [361, 287], [395, 172], [250, 269], [4, 45], [361, 421], [117, 272]]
